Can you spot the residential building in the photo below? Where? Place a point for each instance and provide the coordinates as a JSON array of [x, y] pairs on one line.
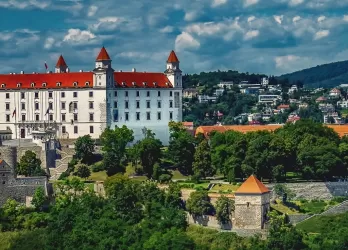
[[270, 99], [293, 89], [227, 85], [190, 93], [326, 107], [321, 99], [335, 93], [342, 104], [73, 104], [206, 98]]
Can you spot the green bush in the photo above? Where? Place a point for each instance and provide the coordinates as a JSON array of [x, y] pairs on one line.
[[97, 167], [164, 178], [339, 199], [63, 176]]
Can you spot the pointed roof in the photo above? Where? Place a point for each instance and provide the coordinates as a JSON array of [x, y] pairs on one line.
[[61, 62], [103, 55], [252, 186], [172, 57]]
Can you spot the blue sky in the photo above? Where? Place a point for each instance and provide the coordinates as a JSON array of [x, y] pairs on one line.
[[261, 36]]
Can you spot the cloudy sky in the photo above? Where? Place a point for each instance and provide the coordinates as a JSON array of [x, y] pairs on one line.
[[261, 36]]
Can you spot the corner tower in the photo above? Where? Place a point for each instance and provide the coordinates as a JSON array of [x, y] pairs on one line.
[[173, 71], [61, 66], [252, 203], [103, 72]]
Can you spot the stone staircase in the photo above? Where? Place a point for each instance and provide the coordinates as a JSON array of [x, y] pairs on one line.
[[64, 157]]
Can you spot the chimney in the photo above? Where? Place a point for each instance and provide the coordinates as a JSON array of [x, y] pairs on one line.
[[81, 70], [120, 70], [134, 70], [22, 72], [67, 70], [14, 73], [10, 73]]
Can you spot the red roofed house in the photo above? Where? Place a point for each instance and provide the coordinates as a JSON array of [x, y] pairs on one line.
[[252, 203], [335, 92], [79, 103]]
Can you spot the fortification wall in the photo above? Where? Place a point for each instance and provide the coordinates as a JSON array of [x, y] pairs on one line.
[[317, 190]]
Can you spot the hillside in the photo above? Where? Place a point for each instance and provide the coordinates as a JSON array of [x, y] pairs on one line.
[[326, 75]]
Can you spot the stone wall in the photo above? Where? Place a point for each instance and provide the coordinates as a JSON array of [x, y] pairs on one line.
[[296, 218], [317, 190]]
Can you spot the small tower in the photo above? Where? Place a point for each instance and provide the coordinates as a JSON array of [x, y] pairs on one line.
[[61, 66], [173, 71], [252, 203], [103, 72]]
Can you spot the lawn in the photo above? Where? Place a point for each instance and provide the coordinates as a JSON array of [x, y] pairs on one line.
[[284, 209], [314, 206], [321, 224], [228, 188], [98, 176]]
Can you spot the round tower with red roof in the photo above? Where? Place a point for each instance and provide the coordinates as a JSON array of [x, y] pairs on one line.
[[173, 71]]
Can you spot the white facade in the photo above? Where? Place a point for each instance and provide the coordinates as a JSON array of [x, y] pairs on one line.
[[81, 103], [269, 98]]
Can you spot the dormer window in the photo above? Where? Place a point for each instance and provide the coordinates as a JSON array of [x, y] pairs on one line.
[[86, 83], [3, 85], [75, 84], [134, 83], [59, 84], [123, 84], [19, 85], [44, 84], [32, 84], [155, 84], [167, 83], [144, 83]]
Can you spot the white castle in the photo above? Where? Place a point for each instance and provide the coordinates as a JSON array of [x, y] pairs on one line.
[[73, 104]]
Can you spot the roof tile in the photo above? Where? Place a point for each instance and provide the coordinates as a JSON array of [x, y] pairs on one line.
[[252, 186], [172, 57], [103, 55], [142, 80], [61, 62]]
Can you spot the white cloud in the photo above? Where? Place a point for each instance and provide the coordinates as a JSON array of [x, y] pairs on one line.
[[109, 23], [345, 18], [186, 41], [295, 2], [321, 19], [321, 34], [217, 3], [92, 10], [190, 16], [24, 4], [283, 61], [49, 43], [251, 18], [296, 19], [167, 29], [248, 3], [78, 36], [279, 19], [251, 34]]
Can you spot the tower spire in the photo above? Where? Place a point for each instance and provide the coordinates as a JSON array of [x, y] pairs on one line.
[[61, 65], [103, 55]]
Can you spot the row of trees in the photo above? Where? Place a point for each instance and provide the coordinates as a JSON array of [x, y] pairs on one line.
[[136, 215]]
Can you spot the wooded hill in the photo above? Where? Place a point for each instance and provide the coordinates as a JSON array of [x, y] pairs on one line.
[[326, 75]]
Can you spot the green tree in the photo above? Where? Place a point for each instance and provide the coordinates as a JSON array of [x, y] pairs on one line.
[[82, 171], [181, 147], [156, 171], [114, 144], [84, 149], [30, 165], [149, 152], [199, 203], [202, 166], [224, 207], [39, 198]]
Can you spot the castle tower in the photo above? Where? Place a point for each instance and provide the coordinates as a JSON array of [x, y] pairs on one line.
[[103, 72], [252, 203], [61, 66], [8, 156], [173, 71]]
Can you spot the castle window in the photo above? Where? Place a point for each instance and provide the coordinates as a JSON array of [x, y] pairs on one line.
[[134, 83], [36, 95], [115, 105], [138, 104], [36, 106], [74, 94], [91, 129], [75, 130], [22, 95], [63, 117], [19, 85], [62, 94], [148, 116], [7, 118], [126, 104], [75, 84], [7, 95], [171, 115], [148, 93], [59, 84], [23, 106], [44, 85], [123, 84], [3, 85], [248, 204], [87, 83], [37, 117], [7, 106], [91, 94], [170, 104], [115, 93], [50, 94], [51, 117], [126, 93], [159, 104], [155, 84], [144, 83], [138, 116], [148, 104], [91, 105], [63, 129], [158, 115], [138, 93], [32, 84], [127, 116], [159, 93], [91, 117]]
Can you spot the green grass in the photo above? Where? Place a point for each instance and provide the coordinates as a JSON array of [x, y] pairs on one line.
[[324, 224], [315, 207], [224, 188], [178, 176], [284, 209], [98, 176]]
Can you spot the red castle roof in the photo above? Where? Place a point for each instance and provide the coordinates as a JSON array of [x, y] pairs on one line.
[[82, 79], [172, 57], [252, 186], [103, 55], [142, 80], [61, 62]]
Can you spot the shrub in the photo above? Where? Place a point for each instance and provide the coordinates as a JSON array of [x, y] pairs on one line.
[[164, 178], [339, 199], [97, 167], [63, 176]]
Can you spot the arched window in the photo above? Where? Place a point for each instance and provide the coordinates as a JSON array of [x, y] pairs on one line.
[[59, 84], [75, 84], [19, 85], [32, 84], [3, 85], [87, 83], [44, 84]]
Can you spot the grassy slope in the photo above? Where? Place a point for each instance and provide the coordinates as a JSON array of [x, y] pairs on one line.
[[320, 224]]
